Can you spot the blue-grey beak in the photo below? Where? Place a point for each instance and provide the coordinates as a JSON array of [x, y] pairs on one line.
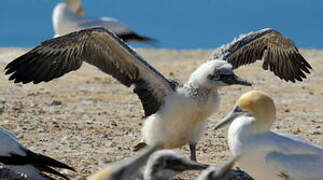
[[236, 112], [233, 79]]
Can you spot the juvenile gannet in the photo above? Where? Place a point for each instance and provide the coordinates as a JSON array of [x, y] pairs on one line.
[[264, 154], [68, 17], [126, 169], [15, 156], [176, 114], [224, 172], [165, 164]]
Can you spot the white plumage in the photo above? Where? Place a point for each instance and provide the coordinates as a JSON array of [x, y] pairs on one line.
[[264, 154]]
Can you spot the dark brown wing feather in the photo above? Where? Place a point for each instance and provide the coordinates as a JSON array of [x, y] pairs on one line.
[[101, 48], [280, 55]]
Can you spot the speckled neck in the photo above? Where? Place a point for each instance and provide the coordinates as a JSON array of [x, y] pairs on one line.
[[198, 92]]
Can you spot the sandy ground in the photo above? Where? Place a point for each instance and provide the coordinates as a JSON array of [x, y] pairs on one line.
[[87, 119]]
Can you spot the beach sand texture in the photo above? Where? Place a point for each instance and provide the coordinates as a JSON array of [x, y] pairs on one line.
[[87, 119]]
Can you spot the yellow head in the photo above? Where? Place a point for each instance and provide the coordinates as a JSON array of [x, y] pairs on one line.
[[259, 105]]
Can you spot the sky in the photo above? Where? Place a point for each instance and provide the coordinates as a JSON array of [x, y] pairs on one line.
[[176, 24]]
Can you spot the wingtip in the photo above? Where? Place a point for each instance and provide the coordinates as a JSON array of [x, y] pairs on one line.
[[48, 161], [134, 37]]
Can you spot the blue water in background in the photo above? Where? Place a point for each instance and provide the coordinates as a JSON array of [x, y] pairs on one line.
[[177, 24]]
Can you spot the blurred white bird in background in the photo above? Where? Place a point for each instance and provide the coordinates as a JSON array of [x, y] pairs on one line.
[[68, 17]]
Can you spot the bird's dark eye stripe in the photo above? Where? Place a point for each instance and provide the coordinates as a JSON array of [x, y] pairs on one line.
[[238, 109]]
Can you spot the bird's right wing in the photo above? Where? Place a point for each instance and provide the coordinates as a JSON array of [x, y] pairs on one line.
[[101, 48], [279, 54]]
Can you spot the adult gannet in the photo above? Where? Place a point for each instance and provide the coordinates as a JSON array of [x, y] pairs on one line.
[[165, 164], [264, 154], [68, 17], [176, 114], [15, 156], [126, 169], [224, 172]]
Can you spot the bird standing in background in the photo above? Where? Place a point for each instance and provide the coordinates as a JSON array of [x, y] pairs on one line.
[[68, 17], [16, 157], [176, 114], [264, 154]]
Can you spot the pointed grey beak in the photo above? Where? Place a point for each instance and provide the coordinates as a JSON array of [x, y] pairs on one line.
[[236, 112], [132, 166], [233, 79]]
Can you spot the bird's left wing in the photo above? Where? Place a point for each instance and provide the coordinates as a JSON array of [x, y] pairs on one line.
[[279, 54], [101, 48], [295, 166]]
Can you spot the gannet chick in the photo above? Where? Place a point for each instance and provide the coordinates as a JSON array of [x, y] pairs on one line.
[[126, 169], [224, 172], [68, 17], [16, 157], [264, 154], [176, 114], [165, 164]]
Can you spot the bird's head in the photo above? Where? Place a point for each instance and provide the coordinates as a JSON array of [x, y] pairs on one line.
[[165, 164], [75, 6], [256, 104], [214, 74]]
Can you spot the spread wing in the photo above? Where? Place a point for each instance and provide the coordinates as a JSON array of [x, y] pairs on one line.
[[98, 47], [279, 54]]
